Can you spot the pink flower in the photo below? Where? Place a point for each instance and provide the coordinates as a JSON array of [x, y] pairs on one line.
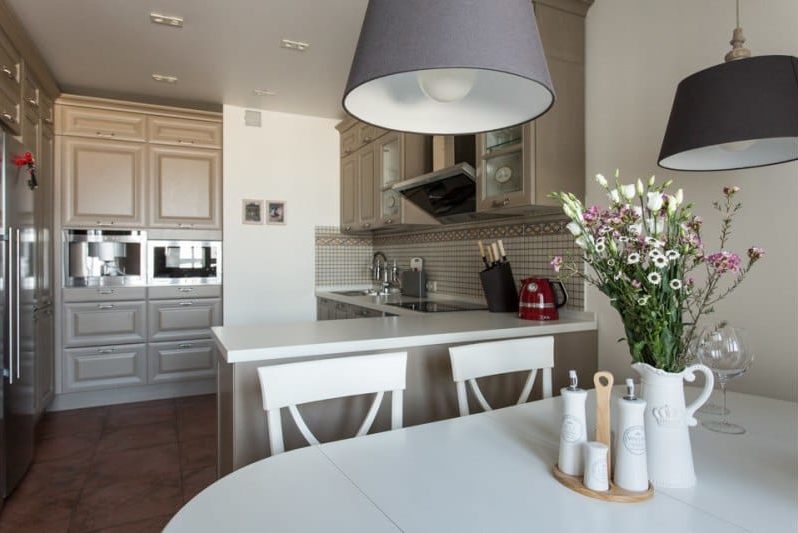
[[731, 190], [591, 214], [755, 253], [636, 284], [724, 261], [556, 263]]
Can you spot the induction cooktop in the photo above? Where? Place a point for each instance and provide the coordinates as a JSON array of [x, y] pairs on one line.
[[439, 307]]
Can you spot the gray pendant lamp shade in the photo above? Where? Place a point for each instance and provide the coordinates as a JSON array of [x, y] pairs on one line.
[[448, 66], [739, 114]]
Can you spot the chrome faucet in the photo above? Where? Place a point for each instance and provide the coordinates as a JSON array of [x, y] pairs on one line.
[[383, 275]]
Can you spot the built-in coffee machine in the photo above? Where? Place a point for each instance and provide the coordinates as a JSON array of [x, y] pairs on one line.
[[94, 257]]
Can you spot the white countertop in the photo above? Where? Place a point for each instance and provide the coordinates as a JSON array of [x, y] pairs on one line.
[[264, 342]]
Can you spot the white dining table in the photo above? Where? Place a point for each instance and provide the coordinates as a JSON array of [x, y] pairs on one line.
[[491, 472]]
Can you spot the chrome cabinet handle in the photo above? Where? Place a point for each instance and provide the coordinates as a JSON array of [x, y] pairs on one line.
[[181, 141], [105, 134], [186, 304], [105, 291], [8, 117], [105, 306], [48, 121], [389, 221], [185, 289], [184, 225], [184, 345], [33, 102], [348, 228], [106, 350], [6, 256], [100, 223], [8, 72], [19, 375], [503, 203], [367, 225]]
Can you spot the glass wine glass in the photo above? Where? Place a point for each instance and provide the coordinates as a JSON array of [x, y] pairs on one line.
[[725, 350], [710, 407]]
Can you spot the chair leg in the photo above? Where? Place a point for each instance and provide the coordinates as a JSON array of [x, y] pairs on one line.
[[275, 426], [462, 398], [396, 409], [547, 382]]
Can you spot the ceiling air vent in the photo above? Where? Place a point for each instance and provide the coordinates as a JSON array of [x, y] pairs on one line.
[[252, 118]]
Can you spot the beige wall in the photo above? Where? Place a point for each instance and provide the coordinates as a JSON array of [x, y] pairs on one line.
[[637, 52], [269, 270]]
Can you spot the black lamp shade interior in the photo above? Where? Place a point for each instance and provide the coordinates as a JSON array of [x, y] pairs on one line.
[[735, 115], [448, 66]]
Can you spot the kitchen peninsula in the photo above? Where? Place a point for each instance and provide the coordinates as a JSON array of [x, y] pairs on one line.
[[430, 393]]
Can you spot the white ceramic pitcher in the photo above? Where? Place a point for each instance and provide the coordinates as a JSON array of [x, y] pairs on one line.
[[670, 456]]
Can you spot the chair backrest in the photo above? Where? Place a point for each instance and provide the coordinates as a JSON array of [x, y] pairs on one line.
[[296, 383], [474, 361]]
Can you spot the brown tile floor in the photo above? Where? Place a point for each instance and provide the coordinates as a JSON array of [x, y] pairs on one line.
[[121, 468]]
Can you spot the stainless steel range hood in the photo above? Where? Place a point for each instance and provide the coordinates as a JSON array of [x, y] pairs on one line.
[[448, 193]]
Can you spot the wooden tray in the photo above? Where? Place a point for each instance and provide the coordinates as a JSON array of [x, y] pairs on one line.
[[615, 494]]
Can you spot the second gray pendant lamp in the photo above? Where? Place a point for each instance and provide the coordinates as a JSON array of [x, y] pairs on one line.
[[448, 66]]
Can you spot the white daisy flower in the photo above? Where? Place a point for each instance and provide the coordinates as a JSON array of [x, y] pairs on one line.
[[601, 240], [633, 258], [636, 229], [600, 247], [660, 261], [623, 238], [653, 254], [651, 241], [675, 284], [673, 255], [654, 278], [643, 300], [611, 262]]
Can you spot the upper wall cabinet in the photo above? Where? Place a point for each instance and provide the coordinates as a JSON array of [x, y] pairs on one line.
[[181, 132], [10, 84], [101, 123], [103, 182], [185, 187]]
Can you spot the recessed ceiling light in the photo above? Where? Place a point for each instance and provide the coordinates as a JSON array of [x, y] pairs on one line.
[[166, 20], [163, 78], [263, 92], [298, 46]]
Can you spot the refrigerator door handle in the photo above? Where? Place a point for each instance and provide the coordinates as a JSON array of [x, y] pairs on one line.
[[18, 281], [9, 336]]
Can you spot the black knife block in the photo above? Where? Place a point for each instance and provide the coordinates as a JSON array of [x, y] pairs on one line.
[[501, 293]]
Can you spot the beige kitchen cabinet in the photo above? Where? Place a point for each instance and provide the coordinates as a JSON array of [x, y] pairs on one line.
[[349, 196], [367, 133], [401, 156], [104, 182], [101, 123], [100, 323], [183, 319], [45, 364], [349, 142], [185, 187], [10, 84], [181, 361], [184, 132], [506, 168], [104, 367], [367, 188], [43, 214]]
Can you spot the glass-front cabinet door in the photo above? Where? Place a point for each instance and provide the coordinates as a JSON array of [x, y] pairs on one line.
[[391, 207], [390, 159], [505, 167]]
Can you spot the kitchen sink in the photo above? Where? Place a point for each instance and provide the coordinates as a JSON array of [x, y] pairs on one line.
[[361, 292]]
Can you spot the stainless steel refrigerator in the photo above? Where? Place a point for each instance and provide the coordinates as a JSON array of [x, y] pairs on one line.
[[17, 309]]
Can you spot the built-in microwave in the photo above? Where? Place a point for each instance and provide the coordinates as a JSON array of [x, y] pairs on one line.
[[184, 262]]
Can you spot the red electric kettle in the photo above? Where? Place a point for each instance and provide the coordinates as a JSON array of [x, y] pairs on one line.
[[539, 300]]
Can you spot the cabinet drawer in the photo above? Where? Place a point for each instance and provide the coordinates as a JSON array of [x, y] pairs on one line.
[[184, 132], [104, 367], [104, 294], [181, 361], [368, 133], [9, 109], [10, 67], [101, 123], [97, 324], [171, 292], [30, 95], [183, 319]]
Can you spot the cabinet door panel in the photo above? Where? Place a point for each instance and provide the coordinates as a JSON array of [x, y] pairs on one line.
[[367, 193], [184, 132], [104, 368], [181, 361], [101, 123], [45, 358], [103, 182], [43, 215], [186, 187], [183, 319], [95, 324], [349, 200]]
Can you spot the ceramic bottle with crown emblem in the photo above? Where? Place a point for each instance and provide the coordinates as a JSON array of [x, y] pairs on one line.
[[667, 419]]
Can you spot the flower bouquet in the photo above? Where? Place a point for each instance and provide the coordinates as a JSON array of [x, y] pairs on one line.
[[643, 250]]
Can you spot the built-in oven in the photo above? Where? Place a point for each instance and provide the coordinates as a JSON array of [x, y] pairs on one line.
[[94, 257], [184, 262]]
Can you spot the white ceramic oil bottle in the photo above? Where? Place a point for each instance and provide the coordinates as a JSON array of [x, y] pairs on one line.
[[631, 471], [573, 433]]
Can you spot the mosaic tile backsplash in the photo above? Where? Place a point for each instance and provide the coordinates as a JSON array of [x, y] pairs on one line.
[[450, 253]]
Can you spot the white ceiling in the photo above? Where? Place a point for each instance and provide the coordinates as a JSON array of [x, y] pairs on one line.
[[226, 49]]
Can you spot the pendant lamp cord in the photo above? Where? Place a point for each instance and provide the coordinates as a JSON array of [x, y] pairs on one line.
[[738, 51]]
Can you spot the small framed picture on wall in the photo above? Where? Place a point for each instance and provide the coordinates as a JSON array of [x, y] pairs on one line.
[[275, 212], [252, 212]]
